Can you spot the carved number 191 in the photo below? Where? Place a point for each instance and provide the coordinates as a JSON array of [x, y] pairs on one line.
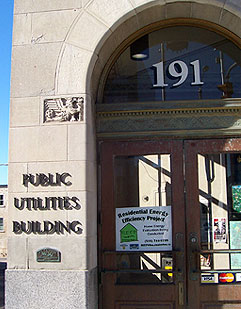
[[181, 73]]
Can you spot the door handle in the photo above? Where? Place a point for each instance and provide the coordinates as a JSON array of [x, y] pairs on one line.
[[180, 293], [194, 253], [179, 256]]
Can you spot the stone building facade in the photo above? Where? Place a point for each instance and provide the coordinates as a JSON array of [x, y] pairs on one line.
[[61, 56]]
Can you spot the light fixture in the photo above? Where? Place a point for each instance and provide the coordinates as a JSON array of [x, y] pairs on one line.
[[140, 49]]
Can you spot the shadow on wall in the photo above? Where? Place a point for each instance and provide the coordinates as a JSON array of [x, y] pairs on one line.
[[3, 267]]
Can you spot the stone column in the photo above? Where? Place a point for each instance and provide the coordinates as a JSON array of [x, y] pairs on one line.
[[52, 245]]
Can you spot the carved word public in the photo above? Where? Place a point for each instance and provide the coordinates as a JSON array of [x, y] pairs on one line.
[[46, 180], [47, 204]]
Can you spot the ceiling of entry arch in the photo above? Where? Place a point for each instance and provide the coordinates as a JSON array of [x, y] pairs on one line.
[[183, 63]]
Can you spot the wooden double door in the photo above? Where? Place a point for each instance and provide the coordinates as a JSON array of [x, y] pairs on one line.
[[170, 224]]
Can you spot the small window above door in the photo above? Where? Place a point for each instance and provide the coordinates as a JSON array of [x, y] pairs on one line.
[[178, 63]]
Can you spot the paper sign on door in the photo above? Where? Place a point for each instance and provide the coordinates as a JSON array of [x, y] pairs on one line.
[[144, 229]]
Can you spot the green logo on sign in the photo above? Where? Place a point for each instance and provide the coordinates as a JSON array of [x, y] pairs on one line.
[[128, 233], [236, 192]]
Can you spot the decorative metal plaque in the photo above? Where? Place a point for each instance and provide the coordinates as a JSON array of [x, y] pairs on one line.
[[49, 255], [64, 109]]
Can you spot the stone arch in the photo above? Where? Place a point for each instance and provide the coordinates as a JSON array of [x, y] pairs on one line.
[[102, 29]]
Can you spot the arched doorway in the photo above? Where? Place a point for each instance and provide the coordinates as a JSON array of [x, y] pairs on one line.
[[168, 129]]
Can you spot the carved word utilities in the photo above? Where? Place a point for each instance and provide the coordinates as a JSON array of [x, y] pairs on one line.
[[48, 203]]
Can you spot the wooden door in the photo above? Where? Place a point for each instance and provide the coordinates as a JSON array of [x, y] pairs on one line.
[[213, 216], [137, 175], [202, 269]]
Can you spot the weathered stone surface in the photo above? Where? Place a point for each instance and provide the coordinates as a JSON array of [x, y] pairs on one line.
[[211, 13], [24, 112], [219, 3], [150, 11], [46, 143], [233, 6], [17, 251], [72, 71], [26, 6], [121, 33], [137, 3], [52, 26], [110, 11], [15, 171], [87, 32], [51, 289], [177, 10], [22, 29], [85, 2], [231, 22], [91, 229], [33, 69], [81, 143]]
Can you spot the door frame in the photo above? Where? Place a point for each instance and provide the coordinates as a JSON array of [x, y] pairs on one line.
[[191, 147]]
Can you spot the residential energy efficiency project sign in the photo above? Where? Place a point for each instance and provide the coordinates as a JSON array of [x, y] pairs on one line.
[[144, 229]]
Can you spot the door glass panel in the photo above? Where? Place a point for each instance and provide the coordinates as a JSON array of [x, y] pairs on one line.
[[143, 183], [220, 214], [177, 63]]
